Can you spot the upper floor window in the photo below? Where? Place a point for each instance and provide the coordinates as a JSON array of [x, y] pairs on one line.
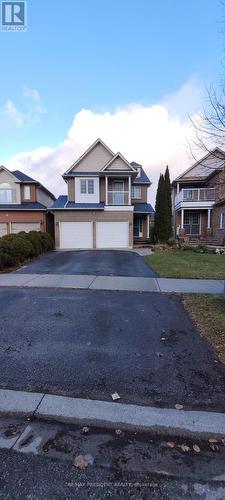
[[136, 192], [6, 193], [26, 192], [222, 220], [87, 186]]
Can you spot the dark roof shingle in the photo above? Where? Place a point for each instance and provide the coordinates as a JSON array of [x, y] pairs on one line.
[[26, 178], [142, 178], [22, 206], [62, 202], [143, 208]]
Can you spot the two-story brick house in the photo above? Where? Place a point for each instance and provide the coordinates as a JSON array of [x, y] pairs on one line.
[[106, 203], [23, 203], [198, 199]]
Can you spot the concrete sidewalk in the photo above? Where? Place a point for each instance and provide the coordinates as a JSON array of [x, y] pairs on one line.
[[112, 414], [120, 283]]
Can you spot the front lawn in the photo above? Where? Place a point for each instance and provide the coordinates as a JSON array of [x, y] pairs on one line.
[[187, 264], [208, 311]]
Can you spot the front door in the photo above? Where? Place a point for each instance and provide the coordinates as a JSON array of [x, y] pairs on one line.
[[192, 223], [138, 227]]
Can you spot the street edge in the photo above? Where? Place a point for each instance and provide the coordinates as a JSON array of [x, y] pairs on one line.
[[164, 421]]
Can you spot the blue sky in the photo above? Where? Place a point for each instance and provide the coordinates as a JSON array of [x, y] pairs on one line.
[[100, 55]]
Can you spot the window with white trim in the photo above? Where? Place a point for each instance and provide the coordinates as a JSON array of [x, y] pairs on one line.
[[26, 192], [6, 193], [136, 192], [222, 220], [87, 186]]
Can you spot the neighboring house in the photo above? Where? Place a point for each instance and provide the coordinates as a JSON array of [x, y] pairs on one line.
[[23, 203], [106, 205], [199, 200]]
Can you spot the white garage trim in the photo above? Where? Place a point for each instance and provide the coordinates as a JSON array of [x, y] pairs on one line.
[[77, 235], [3, 229], [16, 227], [112, 234]]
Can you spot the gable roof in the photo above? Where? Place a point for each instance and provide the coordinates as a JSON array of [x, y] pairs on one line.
[[204, 170], [98, 141], [8, 171], [22, 177], [118, 155]]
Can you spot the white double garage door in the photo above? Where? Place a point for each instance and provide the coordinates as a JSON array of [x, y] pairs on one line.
[[80, 235], [16, 227]]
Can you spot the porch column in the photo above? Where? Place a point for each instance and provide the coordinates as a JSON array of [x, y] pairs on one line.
[[106, 190], [147, 226], [182, 219], [129, 190], [209, 219], [178, 188]]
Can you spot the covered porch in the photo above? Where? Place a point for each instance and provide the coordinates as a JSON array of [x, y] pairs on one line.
[[141, 226], [194, 222]]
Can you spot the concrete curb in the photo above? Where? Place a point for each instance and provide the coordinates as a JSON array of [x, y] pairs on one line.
[[112, 414], [116, 283]]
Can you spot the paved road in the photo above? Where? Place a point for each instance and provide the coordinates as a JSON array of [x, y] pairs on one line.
[[90, 344], [93, 262], [129, 465]]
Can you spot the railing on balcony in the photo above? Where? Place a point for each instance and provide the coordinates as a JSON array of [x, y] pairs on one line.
[[8, 196], [196, 194], [118, 197]]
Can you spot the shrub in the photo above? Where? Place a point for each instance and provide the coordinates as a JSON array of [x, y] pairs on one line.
[[201, 249], [34, 238], [27, 239], [16, 248], [47, 242]]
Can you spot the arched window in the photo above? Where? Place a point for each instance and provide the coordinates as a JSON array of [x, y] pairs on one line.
[[5, 193]]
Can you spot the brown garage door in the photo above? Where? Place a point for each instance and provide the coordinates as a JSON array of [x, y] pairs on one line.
[[3, 229], [25, 226]]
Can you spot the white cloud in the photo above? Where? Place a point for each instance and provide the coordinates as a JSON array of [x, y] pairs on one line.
[[32, 109], [154, 136], [12, 114], [31, 93]]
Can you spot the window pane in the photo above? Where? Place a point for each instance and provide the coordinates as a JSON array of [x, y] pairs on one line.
[[5, 196], [83, 188], [136, 192], [186, 218], [90, 187], [195, 219], [27, 192]]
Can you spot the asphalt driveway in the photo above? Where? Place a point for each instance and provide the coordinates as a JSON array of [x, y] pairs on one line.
[[93, 262], [90, 344]]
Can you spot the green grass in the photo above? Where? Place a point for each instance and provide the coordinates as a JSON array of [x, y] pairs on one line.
[[187, 264], [208, 312]]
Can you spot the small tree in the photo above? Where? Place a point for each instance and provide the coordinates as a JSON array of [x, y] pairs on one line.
[[169, 201], [163, 209]]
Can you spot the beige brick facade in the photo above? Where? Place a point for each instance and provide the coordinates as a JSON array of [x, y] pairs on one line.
[[93, 216]]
